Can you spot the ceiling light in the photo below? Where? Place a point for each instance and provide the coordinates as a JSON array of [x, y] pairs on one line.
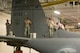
[[57, 12], [78, 23]]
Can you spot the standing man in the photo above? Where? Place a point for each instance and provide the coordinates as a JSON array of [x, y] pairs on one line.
[[51, 25], [27, 27], [60, 26], [8, 27]]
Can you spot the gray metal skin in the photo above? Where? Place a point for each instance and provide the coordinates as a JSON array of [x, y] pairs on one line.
[[48, 45], [62, 39], [53, 45], [66, 34], [21, 9]]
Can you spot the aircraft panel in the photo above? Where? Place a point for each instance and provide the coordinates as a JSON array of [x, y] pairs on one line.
[[31, 9]]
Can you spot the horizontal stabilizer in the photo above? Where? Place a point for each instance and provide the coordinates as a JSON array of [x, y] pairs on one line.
[[66, 34], [14, 41]]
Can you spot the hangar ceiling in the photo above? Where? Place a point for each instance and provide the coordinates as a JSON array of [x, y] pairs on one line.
[[69, 10]]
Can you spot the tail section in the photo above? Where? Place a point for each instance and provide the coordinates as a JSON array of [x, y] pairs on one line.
[[31, 9]]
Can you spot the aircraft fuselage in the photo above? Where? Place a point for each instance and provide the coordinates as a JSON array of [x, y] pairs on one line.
[[54, 45]]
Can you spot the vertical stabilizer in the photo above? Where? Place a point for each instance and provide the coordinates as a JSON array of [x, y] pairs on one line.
[[31, 9]]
